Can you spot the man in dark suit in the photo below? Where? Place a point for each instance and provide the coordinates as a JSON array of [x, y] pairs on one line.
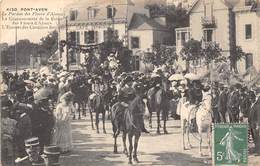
[[24, 128], [222, 103], [233, 104]]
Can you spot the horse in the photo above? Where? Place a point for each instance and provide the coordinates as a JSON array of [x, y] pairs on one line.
[[129, 121], [81, 91], [203, 116], [96, 104], [157, 101]]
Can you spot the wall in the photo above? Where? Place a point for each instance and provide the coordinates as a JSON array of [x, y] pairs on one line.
[[248, 45], [221, 14]]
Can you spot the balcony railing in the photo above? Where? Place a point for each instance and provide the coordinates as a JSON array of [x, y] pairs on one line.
[[208, 22]]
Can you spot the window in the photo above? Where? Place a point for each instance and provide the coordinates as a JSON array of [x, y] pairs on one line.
[[91, 12], [136, 60], [208, 35], [135, 43], [90, 37], [249, 2], [111, 11], [248, 31], [73, 15], [249, 60], [74, 38]]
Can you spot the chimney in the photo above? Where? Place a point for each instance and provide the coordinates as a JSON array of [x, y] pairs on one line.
[[161, 20]]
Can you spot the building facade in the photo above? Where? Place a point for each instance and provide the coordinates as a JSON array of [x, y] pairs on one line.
[[88, 22], [210, 21], [247, 15]]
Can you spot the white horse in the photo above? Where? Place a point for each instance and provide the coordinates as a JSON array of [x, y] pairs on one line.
[[202, 114]]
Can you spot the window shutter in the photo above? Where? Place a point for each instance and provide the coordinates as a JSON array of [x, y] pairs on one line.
[[78, 37], [86, 37], [105, 35], [96, 36]]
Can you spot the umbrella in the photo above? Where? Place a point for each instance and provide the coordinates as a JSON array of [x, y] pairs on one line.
[[43, 93], [191, 76], [176, 77], [29, 82]]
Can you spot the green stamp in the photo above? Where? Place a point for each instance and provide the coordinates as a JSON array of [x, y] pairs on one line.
[[230, 144]]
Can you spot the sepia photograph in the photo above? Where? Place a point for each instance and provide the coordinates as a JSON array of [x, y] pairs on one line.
[[130, 82]]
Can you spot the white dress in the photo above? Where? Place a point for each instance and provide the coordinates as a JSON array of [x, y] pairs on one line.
[[62, 136]]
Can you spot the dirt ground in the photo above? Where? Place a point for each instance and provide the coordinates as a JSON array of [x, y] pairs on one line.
[[92, 149]]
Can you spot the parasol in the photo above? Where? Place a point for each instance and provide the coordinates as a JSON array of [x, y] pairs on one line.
[[176, 77], [29, 82], [43, 93]]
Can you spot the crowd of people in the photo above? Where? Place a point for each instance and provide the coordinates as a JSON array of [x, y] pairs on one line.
[[42, 105]]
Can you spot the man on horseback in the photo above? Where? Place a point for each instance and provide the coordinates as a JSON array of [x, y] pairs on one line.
[[127, 94], [194, 98]]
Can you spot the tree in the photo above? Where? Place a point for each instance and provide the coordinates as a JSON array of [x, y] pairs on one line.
[[161, 54], [212, 52], [191, 51], [236, 54], [176, 16], [49, 43]]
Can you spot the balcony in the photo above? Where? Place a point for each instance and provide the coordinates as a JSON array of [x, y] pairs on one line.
[[208, 22]]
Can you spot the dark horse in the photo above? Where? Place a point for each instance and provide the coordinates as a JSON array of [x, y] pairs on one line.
[[157, 101], [96, 104], [80, 88], [129, 121]]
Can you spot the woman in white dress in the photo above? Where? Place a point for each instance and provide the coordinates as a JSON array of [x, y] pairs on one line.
[[62, 136]]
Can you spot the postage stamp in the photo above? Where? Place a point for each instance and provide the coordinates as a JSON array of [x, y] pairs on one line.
[[230, 145]]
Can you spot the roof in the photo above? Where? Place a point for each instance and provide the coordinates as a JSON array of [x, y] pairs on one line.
[[142, 22], [229, 5]]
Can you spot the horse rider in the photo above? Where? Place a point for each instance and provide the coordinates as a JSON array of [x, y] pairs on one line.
[[194, 99], [215, 99], [127, 94]]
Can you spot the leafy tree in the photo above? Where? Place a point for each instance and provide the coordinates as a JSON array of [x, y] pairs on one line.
[[212, 52], [236, 54], [161, 54], [191, 51], [49, 43], [176, 16]]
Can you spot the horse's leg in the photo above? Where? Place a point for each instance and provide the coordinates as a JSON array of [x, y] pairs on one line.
[[183, 133], [158, 122], [209, 142], [200, 143], [188, 134], [91, 117], [74, 115], [103, 120], [137, 136], [79, 107], [164, 123], [124, 143], [116, 133], [97, 120], [130, 137], [150, 118]]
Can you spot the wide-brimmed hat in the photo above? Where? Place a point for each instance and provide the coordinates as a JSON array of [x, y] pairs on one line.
[[68, 96], [51, 150], [34, 141]]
